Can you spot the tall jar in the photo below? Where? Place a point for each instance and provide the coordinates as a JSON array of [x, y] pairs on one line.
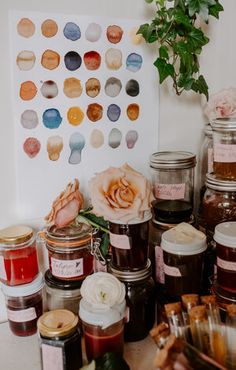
[[224, 148], [173, 185]]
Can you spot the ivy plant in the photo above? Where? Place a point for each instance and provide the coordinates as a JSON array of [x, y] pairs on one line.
[[175, 28]]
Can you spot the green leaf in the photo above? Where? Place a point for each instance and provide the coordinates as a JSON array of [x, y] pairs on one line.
[[185, 81], [148, 32], [111, 361], [149, 1], [200, 86], [99, 221], [196, 39], [215, 9], [104, 245], [201, 7], [165, 69], [163, 52]]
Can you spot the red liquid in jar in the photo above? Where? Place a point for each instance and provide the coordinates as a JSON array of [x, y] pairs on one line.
[[226, 267]]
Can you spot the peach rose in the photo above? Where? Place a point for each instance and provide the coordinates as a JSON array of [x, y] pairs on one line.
[[221, 104], [120, 194]]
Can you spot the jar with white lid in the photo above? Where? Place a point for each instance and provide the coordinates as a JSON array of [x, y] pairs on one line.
[[24, 305], [225, 238], [173, 185], [183, 252]]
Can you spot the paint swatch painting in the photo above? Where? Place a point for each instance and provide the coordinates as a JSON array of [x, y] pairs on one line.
[[76, 143]]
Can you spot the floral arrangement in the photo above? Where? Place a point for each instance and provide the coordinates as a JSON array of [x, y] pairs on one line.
[[222, 104]]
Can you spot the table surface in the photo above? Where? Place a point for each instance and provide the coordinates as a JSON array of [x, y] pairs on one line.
[[22, 353]]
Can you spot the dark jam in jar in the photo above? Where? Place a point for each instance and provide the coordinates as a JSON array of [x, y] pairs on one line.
[[172, 211]]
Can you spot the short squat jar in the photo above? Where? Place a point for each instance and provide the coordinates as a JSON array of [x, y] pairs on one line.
[[140, 301], [24, 305], [173, 185], [225, 238], [69, 251], [18, 255], [60, 340]]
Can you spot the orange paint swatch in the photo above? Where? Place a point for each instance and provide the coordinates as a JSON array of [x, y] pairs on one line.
[[50, 59], [25, 27], [133, 111], [28, 90], [75, 116], [49, 28]]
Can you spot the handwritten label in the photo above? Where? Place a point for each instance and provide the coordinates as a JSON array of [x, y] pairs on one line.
[[169, 191], [3, 275], [226, 265], [67, 268], [171, 271], [28, 314], [119, 241], [225, 153], [210, 160], [159, 271], [52, 357]]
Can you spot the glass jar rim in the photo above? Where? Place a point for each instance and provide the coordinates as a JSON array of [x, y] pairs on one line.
[[25, 289], [224, 124], [15, 235], [214, 183], [64, 285], [225, 234], [134, 275], [172, 160], [146, 217]]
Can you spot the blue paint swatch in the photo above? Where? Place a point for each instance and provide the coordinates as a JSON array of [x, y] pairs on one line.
[[134, 62], [76, 144], [72, 60], [113, 112], [132, 88], [72, 31], [52, 118]]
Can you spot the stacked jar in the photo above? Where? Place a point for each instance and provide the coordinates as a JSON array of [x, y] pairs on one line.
[[22, 282]]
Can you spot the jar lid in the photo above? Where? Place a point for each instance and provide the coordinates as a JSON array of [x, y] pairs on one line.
[[183, 239], [172, 211], [167, 226], [57, 323], [24, 289], [225, 234], [224, 124], [217, 184], [172, 160], [147, 215], [127, 276], [55, 283], [17, 234], [208, 130]]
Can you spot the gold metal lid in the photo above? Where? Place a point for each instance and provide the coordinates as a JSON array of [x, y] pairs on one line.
[[17, 234], [57, 323]]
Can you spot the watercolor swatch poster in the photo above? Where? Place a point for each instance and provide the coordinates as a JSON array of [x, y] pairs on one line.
[[85, 97]]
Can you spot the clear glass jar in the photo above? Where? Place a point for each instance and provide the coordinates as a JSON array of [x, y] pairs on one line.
[[223, 299], [140, 300], [60, 340], [24, 306], [62, 294], [18, 255], [224, 148], [173, 185]]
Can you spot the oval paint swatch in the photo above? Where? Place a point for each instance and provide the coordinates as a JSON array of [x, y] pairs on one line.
[[96, 139], [92, 60], [112, 87], [72, 87], [31, 147], [49, 28], [92, 87], [72, 31], [29, 119], [133, 111], [52, 118], [25, 60], [113, 58], [76, 144], [131, 138], [94, 112], [114, 34], [28, 90], [54, 147], [132, 88], [114, 138], [75, 116], [50, 59], [93, 32], [113, 112], [134, 37], [49, 89], [72, 60], [25, 27], [134, 62]]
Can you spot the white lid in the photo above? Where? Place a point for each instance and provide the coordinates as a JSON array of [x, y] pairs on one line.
[[225, 234], [25, 289], [101, 316], [183, 239], [147, 215]]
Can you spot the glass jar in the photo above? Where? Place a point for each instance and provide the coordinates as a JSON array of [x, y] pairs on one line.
[[223, 299], [62, 294], [18, 255], [60, 340], [173, 185], [69, 251], [225, 238], [140, 301], [24, 306], [224, 148]]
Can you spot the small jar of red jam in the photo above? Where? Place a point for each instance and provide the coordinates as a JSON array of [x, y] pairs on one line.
[[24, 306], [18, 255], [225, 238], [69, 251]]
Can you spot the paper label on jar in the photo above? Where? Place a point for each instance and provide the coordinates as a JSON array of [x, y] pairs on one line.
[[67, 268], [28, 314], [226, 265], [225, 153], [52, 357], [160, 274], [98, 266], [127, 314], [210, 160], [3, 275], [171, 271], [119, 241], [169, 191]]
